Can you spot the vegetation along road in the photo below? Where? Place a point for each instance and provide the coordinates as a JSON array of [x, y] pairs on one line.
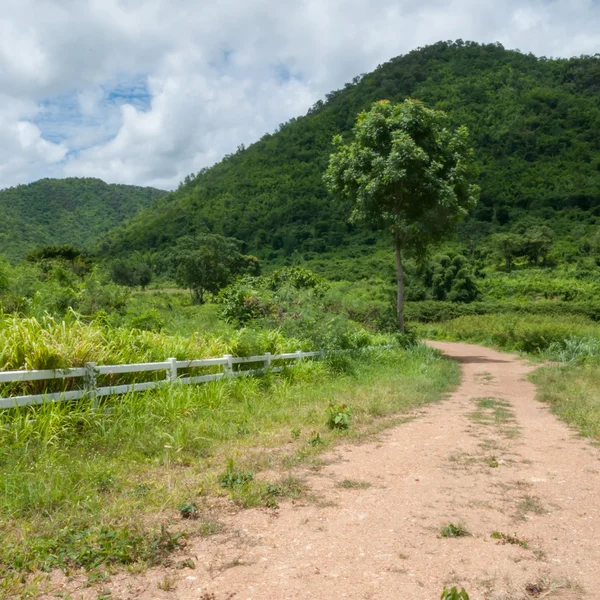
[[486, 490]]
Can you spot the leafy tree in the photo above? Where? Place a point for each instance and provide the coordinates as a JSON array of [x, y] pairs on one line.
[[406, 172], [122, 272], [538, 242], [131, 272], [55, 252], [508, 246], [248, 265], [451, 279], [207, 262], [48, 257]]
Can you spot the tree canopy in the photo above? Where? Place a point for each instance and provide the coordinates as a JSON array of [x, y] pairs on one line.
[[208, 262]]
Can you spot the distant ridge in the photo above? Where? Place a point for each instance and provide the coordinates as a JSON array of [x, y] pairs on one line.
[[73, 211]]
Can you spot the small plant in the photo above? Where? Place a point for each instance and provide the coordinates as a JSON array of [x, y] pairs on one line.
[[295, 432], [351, 484], [188, 511], [339, 416], [454, 594], [316, 439], [210, 527], [166, 584], [453, 531], [508, 539], [492, 462], [290, 487], [185, 564], [233, 478]]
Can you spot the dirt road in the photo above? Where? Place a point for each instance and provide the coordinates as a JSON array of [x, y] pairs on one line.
[[490, 459]]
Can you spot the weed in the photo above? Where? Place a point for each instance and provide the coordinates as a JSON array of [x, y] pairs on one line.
[[530, 504], [508, 539], [453, 531], [351, 484], [185, 564], [210, 527], [454, 594], [95, 577], [295, 432], [315, 439], [232, 478], [339, 416], [188, 511], [167, 583], [492, 462]]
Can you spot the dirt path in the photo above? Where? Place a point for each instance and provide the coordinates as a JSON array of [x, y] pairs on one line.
[[505, 464]]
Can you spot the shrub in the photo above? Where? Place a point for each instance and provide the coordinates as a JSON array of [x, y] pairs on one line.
[[454, 594], [232, 477], [339, 416]]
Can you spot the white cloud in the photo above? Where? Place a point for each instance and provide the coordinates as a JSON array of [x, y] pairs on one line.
[[147, 91]]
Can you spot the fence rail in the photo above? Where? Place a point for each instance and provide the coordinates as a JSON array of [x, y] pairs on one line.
[[90, 372]]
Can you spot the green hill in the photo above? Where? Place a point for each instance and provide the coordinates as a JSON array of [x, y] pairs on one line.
[[74, 211], [535, 123]]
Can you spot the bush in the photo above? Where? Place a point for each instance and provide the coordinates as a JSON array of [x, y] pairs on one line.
[[298, 277], [246, 300], [147, 321], [339, 416]]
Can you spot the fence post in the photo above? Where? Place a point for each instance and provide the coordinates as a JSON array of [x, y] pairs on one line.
[[267, 361], [228, 367], [91, 388], [172, 370], [299, 353]]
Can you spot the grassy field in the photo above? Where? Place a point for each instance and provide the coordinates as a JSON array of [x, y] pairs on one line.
[[573, 393], [537, 335], [92, 488]]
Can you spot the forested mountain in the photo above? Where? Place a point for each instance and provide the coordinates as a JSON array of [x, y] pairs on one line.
[[535, 123], [74, 211]]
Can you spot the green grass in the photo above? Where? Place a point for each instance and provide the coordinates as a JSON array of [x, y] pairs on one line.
[[86, 487], [573, 393], [532, 334]]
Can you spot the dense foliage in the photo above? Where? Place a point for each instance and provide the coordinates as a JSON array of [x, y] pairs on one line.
[[535, 124], [66, 211]]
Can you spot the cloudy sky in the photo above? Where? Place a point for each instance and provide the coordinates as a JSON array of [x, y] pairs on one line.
[[147, 91]]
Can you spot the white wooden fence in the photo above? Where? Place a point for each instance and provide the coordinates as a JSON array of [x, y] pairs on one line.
[[171, 367]]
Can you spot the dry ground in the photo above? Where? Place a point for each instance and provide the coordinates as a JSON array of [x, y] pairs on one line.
[[504, 464]]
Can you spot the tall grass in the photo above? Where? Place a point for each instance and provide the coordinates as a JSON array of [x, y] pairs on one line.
[[522, 333], [82, 471]]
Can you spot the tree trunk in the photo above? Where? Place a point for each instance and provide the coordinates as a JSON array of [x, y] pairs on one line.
[[400, 275]]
